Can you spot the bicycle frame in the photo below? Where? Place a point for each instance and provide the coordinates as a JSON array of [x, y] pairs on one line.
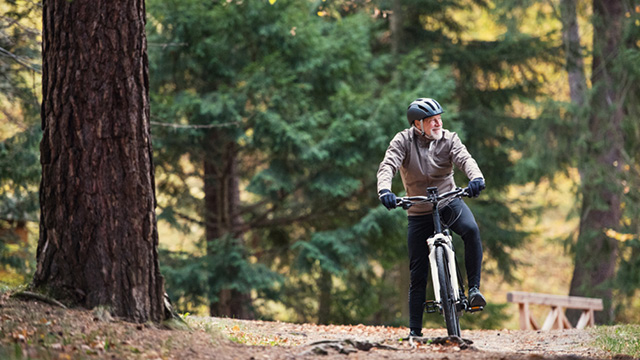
[[441, 237], [450, 298]]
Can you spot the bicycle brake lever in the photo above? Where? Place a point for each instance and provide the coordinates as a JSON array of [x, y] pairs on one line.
[[406, 205]]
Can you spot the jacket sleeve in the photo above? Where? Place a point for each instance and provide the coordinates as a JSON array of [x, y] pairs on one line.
[[463, 160], [393, 159]]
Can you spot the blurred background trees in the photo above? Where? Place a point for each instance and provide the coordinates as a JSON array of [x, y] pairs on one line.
[[20, 134], [270, 118]]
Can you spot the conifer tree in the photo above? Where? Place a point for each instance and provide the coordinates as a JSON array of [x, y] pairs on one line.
[[98, 235], [602, 165], [283, 97], [597, 135]]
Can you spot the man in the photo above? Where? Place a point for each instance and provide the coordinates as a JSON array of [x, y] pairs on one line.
[[425, 154]]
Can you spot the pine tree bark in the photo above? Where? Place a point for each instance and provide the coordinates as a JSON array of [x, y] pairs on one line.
[[222, 201], [596, 253], [98, 235]]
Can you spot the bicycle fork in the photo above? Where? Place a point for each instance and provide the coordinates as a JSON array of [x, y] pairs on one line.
[[444, 241]]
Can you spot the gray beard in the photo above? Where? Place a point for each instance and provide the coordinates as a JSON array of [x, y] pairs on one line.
[[431, 136]]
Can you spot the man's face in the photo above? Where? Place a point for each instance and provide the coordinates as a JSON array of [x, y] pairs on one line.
[[432, 126]]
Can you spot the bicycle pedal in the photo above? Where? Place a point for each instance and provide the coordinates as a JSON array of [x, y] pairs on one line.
[[431, 307], [475, 309]]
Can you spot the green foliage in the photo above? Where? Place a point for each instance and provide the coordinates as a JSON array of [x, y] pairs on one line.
[[561, 139], [352, 256], [311, 103], [628, 280], [622, 339], [296, 91], [19, 178], [16, 257], [19, 138], [20, 51], [197, 280], [20, 175]]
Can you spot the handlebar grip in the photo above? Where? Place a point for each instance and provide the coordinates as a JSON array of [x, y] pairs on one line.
[[404, 204]]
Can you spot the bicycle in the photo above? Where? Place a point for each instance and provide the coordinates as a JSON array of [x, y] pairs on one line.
[[448, 287]]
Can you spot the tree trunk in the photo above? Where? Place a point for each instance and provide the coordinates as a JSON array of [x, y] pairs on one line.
[[98, 235], [222, 200], [573, 52], [596, 253], [325, 283], [395, 25]]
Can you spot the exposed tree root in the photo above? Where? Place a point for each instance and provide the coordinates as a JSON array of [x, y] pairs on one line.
[[36, 296], [463, 344], [348, 346], [344, 346]]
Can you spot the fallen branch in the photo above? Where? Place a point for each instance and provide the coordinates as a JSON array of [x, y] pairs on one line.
[[36, 296]]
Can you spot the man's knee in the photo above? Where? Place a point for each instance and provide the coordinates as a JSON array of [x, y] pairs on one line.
[[469, 230]]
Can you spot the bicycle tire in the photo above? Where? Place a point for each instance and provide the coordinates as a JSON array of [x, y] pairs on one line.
[[447, 298]]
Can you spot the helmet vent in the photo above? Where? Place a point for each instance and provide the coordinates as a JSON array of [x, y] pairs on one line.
[[430, 104]]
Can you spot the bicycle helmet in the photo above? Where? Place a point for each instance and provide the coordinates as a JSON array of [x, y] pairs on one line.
[[422, 108]]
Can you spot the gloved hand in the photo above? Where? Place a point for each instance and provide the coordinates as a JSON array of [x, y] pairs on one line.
[[475, 186], [388, 199]]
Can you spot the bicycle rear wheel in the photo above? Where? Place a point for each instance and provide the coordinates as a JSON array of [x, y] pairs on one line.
[[447, 298]]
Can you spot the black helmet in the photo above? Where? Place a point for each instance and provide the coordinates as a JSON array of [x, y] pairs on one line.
[[422, 108]]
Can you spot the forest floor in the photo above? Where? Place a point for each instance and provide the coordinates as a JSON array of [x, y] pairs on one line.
[[30, 329]]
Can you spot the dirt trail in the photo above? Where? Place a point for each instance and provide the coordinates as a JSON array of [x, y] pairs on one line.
[[31, 329], [302, 340]]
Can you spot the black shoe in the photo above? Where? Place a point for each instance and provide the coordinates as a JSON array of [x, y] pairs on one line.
[[475, 298], [415, 333]]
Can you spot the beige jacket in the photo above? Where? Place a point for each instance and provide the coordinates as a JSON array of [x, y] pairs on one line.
[[425, 163]]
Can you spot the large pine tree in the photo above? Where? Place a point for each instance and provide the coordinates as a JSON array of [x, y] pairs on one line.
[[98, 236]]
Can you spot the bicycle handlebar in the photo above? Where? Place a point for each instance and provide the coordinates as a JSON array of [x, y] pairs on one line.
[[407, 201]]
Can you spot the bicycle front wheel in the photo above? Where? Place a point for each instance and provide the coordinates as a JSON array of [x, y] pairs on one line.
[[447, 298]]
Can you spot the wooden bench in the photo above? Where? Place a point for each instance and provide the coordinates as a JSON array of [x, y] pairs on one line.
[[556, 318]]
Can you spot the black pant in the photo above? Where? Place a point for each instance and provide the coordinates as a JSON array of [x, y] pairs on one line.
[[459, 218]]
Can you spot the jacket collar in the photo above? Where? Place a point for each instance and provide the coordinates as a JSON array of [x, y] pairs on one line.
[[422, 140]]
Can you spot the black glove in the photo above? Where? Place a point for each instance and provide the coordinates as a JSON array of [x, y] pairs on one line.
[[475, 186], [388, 199]]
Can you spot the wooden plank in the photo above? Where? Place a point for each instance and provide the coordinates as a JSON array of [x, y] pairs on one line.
[[551, 320], [584, 320], [564, 322], [524, 316], [567, 302], [534, 324], [527, 322]]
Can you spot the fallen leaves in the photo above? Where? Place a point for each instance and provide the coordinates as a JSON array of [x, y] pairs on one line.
[[238, 335], [22, 334], [35, 330]]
